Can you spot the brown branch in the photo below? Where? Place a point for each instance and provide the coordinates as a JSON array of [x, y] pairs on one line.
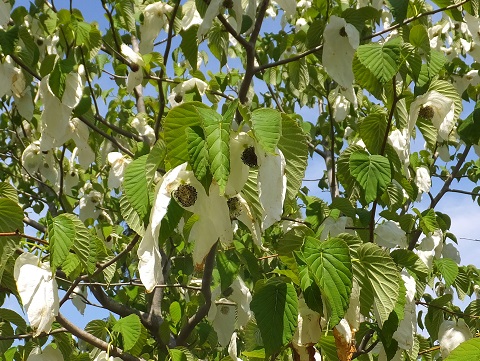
[[117, 129], [95, 341], [207, 295], [28, 336], [288, 60], [161, 94], [22, 235], [32, 223], [318, 151], [446, 310], [330, 159]]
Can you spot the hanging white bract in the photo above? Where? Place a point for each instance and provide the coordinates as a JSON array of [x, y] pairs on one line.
[[38, 290]]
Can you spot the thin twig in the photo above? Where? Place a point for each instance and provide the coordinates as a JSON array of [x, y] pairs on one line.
[[28, 336], [22, 235]]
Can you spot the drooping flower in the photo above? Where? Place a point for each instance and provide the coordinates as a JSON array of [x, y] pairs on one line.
[[79, 296], [451, 334], [135, 76], [222, 315], [154, 19], [423, 179], [38, 291], [451, 252], [308, 330], [429, 247], [245, 153], [405, 333], [333, 227], [390, 235], [12, 82], [213, 220], [240, 210], [177, 94], [118, 164], [400, 141], [34, 160], [89, 203], [139, 123], [47, 354], [232, 348], [56, 113], [434, 107], [191, 16], [353, 315], [340, 41]]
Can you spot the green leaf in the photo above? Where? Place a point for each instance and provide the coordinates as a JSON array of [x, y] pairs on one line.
[[127, 12], [293, 145], [469, 129], [174, 125], [155, 160], [170, 221], [11, 220], [217, 135], [97, 328], [197, 150], [330, 264], [298, 74], [189, 45], [61, 234], [130, 329], [409, 260], [434, 317], [227, 270], [218, 42], [131, 216], [473, 309], [82, 244], [275, 306], [135, 186], [467, 351], [373, 131], [383, 60], [267, 128], [429, 132], [448, 269], [365, 78], [329, 348], [8, 191], [399, 9], [372, 173], [13, 317], [381, 275], [65, 344], [419, 38], [343, 205], [8, 40], [81, 30]]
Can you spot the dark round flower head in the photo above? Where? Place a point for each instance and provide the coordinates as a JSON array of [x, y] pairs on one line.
[[234, 206], [426, 112], [186, 195], [343, 32], [178, 98], [249, 157], [228, 4]]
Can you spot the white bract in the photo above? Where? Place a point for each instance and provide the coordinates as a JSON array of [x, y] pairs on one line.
[[191, 16], [451, 334], [79, 296], [56, 113], [177, 94], [12, 82], [429, 247], [47, 354], [89, 203], [38, 290], [353, 315], [390, 235], [154, 19], [135, 76], [434, 107], [340, 41], [423, 180], [118, 164], [308, 330], [139, 123], [450, 251], [34, 160], [405, 333], [240, 210], [333, 227], [400, 141], [246, 153]]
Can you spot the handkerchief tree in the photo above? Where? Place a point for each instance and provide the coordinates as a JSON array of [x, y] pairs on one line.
[[153, 160]]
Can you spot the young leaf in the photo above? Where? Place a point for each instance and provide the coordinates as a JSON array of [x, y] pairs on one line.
[[130, 329]]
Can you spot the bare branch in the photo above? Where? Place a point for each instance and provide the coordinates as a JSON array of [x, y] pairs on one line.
[[29, 336], [207, 295]]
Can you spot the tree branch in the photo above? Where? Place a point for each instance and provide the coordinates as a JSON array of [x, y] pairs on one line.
[[161, 94], [95, 341], [207, 295], [28, 336]]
